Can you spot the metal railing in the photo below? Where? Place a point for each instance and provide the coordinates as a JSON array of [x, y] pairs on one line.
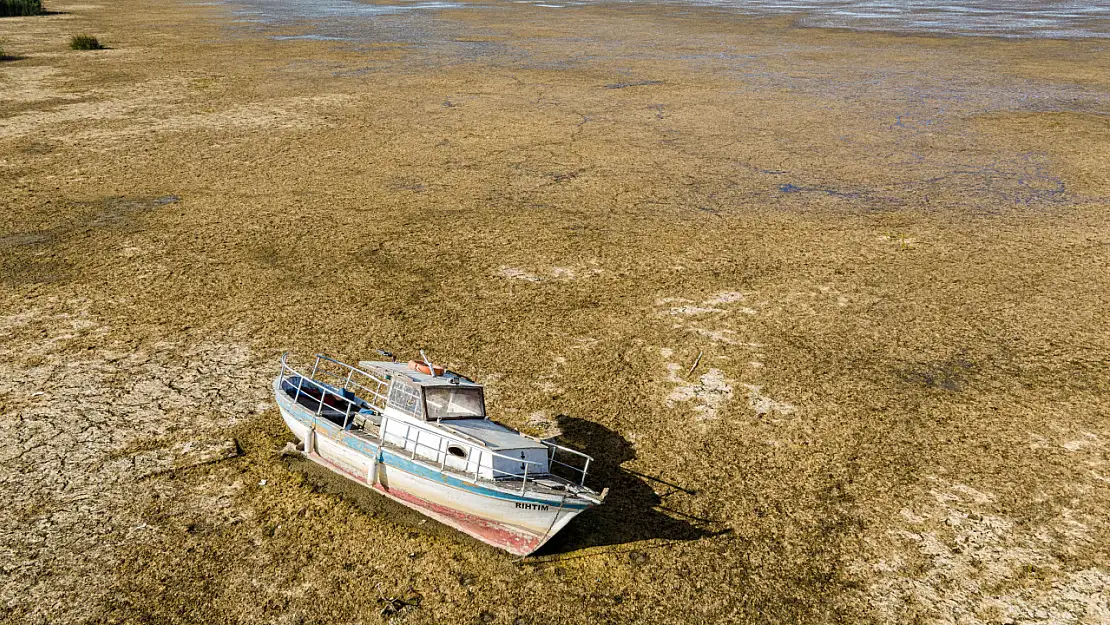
[[472, 453], [579, 471], [379, 400], [375, 397]]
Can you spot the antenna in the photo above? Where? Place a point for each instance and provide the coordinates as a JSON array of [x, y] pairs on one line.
[[431, 369]]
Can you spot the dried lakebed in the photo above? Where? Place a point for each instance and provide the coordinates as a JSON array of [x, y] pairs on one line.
[[828, 307]]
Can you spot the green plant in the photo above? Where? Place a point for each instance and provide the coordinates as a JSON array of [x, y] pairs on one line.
[[9, 8], [85, 42]]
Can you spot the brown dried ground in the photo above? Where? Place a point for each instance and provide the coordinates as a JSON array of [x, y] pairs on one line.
[[890, 251]]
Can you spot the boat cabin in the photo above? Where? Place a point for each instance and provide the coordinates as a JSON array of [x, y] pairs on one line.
[[426, 397], [440, 415]]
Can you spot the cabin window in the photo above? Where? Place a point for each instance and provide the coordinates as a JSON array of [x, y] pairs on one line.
[[456, 451], [404, 397], [454, 402]]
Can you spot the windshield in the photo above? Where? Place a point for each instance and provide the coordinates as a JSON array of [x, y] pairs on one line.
[[453, 402]]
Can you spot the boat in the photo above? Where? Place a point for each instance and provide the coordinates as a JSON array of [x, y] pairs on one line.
[[419, 435]]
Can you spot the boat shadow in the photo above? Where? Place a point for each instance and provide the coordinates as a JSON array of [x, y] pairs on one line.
[[633, 510]]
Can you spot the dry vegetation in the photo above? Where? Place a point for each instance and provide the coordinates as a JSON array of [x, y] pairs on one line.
[[891, 253], [10, 8], [85, 42]]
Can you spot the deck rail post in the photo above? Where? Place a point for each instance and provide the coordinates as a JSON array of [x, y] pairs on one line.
[[300, 383]]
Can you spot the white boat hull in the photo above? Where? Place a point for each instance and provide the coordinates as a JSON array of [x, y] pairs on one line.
[[517, 522]]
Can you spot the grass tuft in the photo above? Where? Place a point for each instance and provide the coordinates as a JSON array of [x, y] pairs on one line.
[[85, 42], [10, 8]]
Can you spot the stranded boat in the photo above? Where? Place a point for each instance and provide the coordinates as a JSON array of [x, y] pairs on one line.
[[419, 434]]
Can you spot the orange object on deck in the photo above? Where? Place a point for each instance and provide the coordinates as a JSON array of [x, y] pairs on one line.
[[423, 368]]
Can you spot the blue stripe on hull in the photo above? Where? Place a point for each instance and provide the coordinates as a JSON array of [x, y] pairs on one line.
[[397, 461]]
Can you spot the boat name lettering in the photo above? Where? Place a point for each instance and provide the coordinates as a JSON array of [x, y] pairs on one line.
[[531, 506]]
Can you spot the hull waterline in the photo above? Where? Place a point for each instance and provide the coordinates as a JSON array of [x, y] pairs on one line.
[[517, 523]]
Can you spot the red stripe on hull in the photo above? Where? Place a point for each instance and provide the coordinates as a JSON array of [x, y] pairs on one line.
[[489, 532]]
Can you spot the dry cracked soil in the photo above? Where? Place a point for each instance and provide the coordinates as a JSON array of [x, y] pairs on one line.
[[828, 307]]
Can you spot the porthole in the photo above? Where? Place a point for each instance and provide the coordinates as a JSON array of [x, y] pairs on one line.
[[456, 451]]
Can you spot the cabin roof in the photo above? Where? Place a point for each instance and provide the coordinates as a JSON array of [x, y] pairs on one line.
[[401, 369], [495, 436]]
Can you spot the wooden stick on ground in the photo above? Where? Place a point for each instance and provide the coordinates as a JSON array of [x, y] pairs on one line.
[[695, 365]]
